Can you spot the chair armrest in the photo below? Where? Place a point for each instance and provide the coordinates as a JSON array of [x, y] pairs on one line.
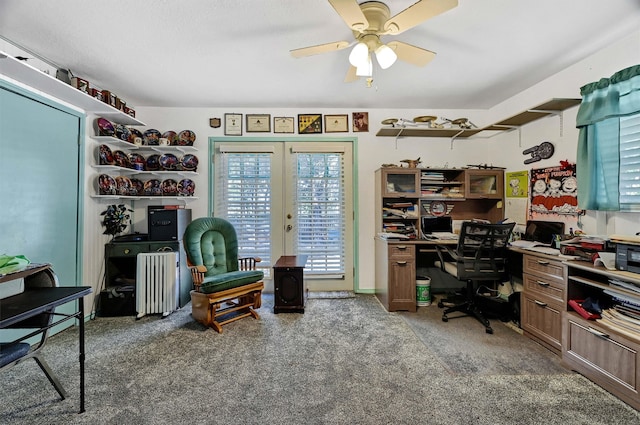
[[248, 263], [197, 274], [443, 250]]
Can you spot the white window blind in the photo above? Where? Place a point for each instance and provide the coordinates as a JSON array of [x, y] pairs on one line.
[[320, 207], [630, 162], [243, 196]]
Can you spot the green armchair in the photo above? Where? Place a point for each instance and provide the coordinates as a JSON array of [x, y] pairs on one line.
[[226, 288]]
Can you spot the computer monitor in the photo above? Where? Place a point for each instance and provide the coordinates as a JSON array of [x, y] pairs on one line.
[[542, 231], [436, 224]]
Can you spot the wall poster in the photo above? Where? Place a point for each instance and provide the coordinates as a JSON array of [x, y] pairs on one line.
[[518, 184], [554, 190]]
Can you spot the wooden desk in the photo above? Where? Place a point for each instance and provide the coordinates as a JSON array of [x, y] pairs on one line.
[[395, 264], [18, 310]]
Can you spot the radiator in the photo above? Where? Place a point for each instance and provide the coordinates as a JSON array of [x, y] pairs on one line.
[[157, 283]]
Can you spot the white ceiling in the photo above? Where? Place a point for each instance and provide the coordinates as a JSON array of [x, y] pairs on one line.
[[235, 53]]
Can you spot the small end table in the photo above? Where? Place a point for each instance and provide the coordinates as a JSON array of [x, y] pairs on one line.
[[290, 289]]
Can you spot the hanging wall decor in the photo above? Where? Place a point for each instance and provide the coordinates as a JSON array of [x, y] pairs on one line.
[[554, 190], [542, 151]]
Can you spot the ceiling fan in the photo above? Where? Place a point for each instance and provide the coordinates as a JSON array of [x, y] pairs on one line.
[[369, 21]]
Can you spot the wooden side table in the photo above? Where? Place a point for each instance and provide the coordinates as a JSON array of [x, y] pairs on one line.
[[290, 289]]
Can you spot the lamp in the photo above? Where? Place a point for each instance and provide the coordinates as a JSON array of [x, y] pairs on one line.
[[365, 69], [359, 55], [385, 56]]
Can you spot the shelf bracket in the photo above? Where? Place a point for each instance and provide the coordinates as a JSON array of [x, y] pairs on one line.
[[395, 140], [552, 112], [454, 137]]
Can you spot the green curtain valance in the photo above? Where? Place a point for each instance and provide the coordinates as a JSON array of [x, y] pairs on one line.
[[611, 97]]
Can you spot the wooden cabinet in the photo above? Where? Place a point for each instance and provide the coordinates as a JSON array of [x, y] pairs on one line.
[[543, 299], [400, 182], [404, 195], [605, 353], [484, 184], [397, 195], [121, 268], [289, 285], [396, 275]]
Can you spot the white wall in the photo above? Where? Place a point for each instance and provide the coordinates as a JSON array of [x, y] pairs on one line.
[[620, 55], [503, 150]]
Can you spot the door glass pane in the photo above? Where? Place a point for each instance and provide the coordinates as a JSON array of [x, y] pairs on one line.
[[319, 206], [243, 197]]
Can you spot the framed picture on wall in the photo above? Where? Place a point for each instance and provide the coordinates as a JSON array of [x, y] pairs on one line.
[[309, 123], [258, 123], [233, 124], [336, 123], [360, 121], [283, 125]]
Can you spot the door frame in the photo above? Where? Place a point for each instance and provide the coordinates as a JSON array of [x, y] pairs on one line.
[[29, 93], [354, 171]]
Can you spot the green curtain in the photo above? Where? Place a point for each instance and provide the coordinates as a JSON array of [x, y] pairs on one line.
[[597, 160]]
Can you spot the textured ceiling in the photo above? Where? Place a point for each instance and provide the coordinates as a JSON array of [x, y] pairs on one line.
[[227, 53]]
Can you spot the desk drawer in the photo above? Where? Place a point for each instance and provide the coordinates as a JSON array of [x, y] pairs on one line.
[[603, 356], [542, 318], [543, 286], [125, 250], [543, 267], [402, 251]]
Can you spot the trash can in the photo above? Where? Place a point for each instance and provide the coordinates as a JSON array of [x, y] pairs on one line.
[[423, 291]]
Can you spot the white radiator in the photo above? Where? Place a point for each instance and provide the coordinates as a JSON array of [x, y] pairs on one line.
[[157, 283]]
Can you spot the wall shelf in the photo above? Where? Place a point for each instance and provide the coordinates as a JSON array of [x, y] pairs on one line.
[[32, 77], [552, 107]]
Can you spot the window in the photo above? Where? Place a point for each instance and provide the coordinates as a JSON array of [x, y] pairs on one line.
[[630, 163], [608, 154]]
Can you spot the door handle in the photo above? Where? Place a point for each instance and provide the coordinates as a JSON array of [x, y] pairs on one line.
[[289, 227]]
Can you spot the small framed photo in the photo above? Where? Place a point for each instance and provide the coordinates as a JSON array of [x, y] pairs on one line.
[[258, 123], [336, 123], [233, 124], [309, 123], [360, 122], [284, 125]]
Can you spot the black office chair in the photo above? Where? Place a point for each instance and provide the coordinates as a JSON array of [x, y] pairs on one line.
[[480, 256], [12, 353]]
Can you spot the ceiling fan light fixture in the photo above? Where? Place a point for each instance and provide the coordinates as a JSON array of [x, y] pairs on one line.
[[385, 56], [359, 55], [366, 69]]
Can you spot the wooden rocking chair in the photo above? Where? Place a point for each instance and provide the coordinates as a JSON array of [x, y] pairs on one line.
[[226, 288]]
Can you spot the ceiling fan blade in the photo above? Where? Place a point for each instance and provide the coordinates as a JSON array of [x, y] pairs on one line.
[[416, 14], [351, 14], [320, 48], [411, 54], [351, 75]]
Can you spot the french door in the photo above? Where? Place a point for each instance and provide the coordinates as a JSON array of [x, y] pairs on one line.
[[290, 198]]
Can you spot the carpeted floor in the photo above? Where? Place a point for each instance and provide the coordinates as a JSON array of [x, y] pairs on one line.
[[345, 361]]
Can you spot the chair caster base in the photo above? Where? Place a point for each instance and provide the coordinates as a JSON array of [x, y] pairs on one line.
[[489, 330], [445, 319]]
